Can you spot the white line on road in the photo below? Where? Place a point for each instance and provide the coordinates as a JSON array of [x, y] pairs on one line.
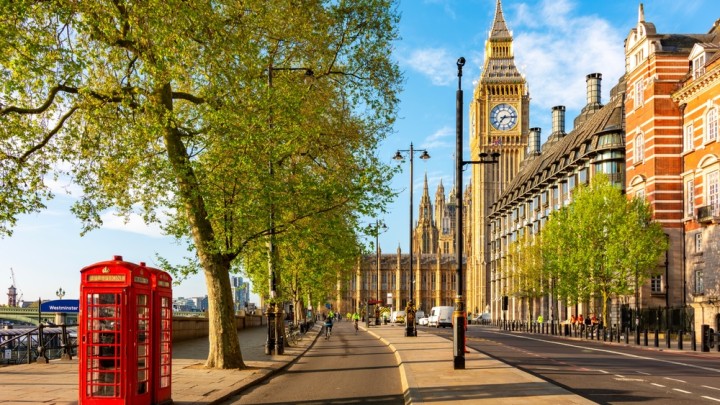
[[712, 388], [683, 391], [657, 385], [642, 372], [604, 372], [711, 398], [619, 376], [675, 379], [677, 363]]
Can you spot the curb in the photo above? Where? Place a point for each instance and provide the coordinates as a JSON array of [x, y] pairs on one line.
[[266, 376], [406, 379]]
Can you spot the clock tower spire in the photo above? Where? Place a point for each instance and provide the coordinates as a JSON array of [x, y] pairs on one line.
[[499, 122]]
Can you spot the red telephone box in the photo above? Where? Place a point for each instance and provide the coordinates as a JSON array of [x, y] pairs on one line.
[[116, 333], [161, 283]]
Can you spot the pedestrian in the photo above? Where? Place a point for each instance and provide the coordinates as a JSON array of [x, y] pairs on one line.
[[540, 318]]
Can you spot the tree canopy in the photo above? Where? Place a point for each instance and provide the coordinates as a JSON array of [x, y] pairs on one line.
[[602, 245], [198, 112]]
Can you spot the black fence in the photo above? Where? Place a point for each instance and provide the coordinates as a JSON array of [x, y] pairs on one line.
[[659, 318]]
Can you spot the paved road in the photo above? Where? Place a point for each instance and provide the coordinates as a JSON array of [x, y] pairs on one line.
[[605, 373], [347, 368]]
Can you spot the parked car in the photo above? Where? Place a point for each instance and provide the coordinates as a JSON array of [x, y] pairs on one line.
[[418, 316], [482, 319], [423, 321]]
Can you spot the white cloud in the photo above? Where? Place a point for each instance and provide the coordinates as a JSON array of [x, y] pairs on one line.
[[439, 139], [135, 224], [557, 50], [433, 63]]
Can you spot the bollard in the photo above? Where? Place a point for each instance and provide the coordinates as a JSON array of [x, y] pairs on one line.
[[645, 337], [667, 338], [693, 344], [637, 336], [704, 347], [627, 335], [680, 339], [657, 338]]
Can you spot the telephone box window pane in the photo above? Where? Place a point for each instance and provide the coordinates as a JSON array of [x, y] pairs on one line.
[[103, 348], [143, 333]]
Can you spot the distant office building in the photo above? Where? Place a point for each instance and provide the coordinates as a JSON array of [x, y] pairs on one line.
[[241, 292]]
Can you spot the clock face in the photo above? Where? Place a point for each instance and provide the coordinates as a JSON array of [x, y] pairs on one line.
[[503, 117]]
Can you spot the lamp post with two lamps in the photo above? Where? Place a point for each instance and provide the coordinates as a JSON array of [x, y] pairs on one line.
[[410, 308], [460, 314], [275, 341]]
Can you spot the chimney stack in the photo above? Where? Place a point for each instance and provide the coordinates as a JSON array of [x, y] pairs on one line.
[[593, 89], [534, 142], [558, 121]]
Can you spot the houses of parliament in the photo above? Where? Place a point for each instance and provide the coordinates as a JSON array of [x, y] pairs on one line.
[[435, 262]]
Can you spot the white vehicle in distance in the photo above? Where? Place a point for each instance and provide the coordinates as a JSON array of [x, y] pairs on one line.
[[423, 321], [419, 315], [482, 319], [398, 317], [440, 316]]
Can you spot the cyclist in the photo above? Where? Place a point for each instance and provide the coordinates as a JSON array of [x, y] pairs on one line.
[[328, 326], [356, 320]]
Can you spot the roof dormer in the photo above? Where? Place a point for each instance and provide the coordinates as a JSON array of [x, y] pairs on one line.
[[699, 56]]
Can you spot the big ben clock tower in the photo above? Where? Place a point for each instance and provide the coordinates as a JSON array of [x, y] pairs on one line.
[[499, 122]]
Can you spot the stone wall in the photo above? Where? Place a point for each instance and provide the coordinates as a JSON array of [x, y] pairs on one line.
[[186, 328]]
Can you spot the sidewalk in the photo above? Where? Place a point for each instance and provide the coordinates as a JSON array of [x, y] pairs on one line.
[[57, 381], [428, 376], [426, 370]]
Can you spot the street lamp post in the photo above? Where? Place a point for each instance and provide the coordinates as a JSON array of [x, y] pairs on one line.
[[410, 309], [378, 226], [275, 341], [459, 314]]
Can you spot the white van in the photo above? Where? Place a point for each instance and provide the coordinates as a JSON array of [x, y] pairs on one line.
[[397, 317], [440, 316]]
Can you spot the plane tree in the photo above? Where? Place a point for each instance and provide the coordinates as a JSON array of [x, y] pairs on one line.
[[602, 245], [166, 109]]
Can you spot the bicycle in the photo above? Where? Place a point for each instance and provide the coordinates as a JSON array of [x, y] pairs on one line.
[[292, 335], [328, 332]]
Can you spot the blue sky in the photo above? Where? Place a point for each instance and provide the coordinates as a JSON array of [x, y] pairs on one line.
[[557, 43]]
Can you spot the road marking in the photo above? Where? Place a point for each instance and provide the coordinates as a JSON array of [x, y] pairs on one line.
[[683, 391], [619, 376], [643, 373], [604, 372], [711, 398], [630, 379], [712, 388], [657, 385], [675, 379], [677, 363]]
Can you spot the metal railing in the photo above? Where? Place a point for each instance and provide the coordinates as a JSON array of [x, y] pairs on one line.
[[37, 344]]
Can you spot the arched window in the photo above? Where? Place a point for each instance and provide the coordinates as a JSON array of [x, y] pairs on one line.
[[711, 126]]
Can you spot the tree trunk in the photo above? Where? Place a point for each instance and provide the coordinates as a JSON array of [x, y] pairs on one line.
[[223, 338]]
